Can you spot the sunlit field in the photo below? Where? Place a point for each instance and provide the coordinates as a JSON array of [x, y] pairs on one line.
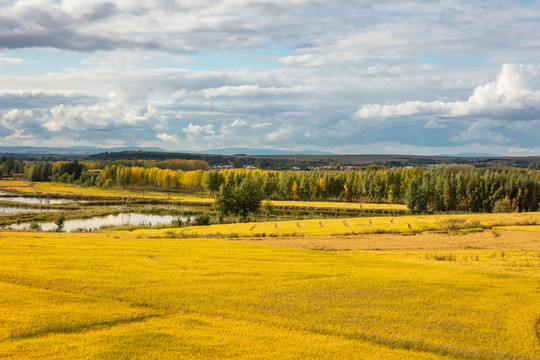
[[340, 205], [362, 225], [120, 295], [62, 189]]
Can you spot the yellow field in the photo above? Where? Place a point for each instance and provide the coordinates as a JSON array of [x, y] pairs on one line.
[[62, 189], [324, 227], [340, 205], [122, 295]]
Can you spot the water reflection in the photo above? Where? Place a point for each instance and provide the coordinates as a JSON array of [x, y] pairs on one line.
[[15, 210], [109, 221], [34, 200]]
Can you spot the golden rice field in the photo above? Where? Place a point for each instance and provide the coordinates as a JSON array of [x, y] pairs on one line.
[[137, 295], [364, 225]]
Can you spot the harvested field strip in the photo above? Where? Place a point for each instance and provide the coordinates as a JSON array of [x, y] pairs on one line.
[[429, 241]]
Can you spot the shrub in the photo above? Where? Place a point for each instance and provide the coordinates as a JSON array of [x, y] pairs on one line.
[[202, 219], [178, 222], [35, 226], [502, 205], [59, 222]]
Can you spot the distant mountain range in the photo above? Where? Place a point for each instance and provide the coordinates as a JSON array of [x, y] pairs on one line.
[[90, 150], [250, 151], [473, 155], [75, 150]]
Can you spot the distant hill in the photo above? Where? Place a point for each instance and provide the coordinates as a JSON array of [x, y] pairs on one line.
[[251, 151], [269, 158], [475, 155], [73, 150], [90, 150]]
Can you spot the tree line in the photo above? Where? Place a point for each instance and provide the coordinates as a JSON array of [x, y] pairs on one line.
[[435, 188], [474, 190], [9, 166], [63, 171], [440, 188]]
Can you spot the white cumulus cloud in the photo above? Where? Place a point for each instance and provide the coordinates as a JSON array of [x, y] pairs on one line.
[[199, 130], [167, 137], [515, 91]]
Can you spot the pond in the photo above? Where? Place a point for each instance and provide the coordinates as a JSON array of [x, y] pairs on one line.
[[34, 200], [94, 223], [16, 210]]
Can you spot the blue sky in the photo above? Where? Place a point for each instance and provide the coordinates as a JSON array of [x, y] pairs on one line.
[[415, 77]]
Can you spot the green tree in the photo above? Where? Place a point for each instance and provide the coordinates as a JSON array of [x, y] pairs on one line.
[[450, 195], [213, 181], [238, 164], [417, 198], [241, 200]]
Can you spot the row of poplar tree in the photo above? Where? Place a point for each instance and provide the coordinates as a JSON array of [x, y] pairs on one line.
[[437, 188], [440, 188]]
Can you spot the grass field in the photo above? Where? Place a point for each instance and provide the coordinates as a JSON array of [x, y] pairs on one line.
[[131, 295]]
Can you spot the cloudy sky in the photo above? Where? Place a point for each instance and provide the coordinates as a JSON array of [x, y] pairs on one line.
[[356, 76]]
